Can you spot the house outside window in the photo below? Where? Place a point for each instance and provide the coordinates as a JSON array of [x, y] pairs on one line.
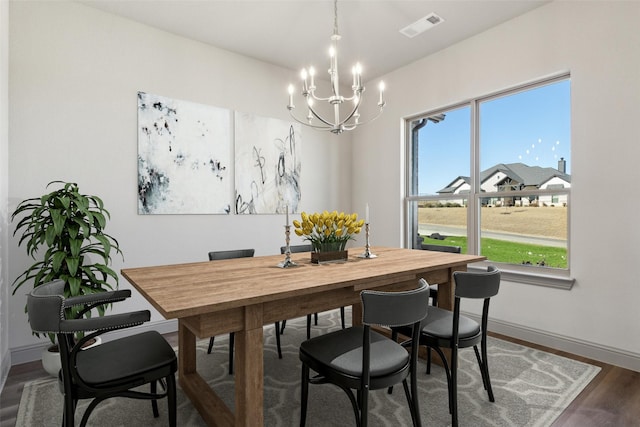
[[492, 175]]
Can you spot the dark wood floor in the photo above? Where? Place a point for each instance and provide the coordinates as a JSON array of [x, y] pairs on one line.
[[611, 399]]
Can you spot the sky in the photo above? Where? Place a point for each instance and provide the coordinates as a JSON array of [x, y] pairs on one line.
[[532, 127]]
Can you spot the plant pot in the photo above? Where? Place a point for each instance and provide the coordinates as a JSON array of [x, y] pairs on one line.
[[51, 360], [326, 257], [51, 356]]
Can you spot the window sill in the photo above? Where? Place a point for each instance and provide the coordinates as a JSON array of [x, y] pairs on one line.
[[530, 275]]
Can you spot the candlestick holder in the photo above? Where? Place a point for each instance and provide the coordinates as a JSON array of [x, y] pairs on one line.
[[367, 249], [287, 251]]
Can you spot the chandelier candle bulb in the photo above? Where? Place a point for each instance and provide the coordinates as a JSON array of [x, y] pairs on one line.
[[312, 73], [287, 212], [290, 89], [305, 87], [381, 86]]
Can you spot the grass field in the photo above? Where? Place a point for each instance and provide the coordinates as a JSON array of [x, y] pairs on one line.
[[541, 222]]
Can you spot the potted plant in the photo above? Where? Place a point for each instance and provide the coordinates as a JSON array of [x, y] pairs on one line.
[[69, 229]]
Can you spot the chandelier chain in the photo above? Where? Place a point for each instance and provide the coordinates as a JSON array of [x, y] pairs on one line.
[[335, 17]]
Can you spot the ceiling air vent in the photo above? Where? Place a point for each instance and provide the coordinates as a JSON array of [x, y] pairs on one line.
[[422, 25]]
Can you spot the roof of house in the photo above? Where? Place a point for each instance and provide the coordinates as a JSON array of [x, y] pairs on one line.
[[527, 175]]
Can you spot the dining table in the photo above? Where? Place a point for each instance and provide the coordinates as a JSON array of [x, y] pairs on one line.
[[242, 295]]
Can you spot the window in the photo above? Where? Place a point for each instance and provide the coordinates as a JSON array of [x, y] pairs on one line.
[[493, 176]]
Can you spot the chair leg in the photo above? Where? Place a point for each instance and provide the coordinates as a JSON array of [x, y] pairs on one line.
[[447, 371], [342, 316], [68, 418], [154, 402], [412, 400], [364, 407], [453, 391], [210, 345], [484, 369], [315, 318], [304, 395], [89, 410], [171, 400], [308, 326], [354, 404], [232, 341], [284, 323], [278, 340]]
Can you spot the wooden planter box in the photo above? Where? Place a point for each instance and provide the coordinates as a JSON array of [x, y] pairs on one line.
[[324, 257]]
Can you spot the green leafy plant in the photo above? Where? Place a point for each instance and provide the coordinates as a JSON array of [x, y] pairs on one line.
[[69, 227]]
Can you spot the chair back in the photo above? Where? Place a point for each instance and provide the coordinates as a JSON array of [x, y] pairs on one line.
[[442, 248], [395, 308], [477, 284], [235, 253], [296, 248], [45, 307]]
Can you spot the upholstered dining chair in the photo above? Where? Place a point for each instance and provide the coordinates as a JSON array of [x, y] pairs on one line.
[[299, 249], [450, 329], [358, 358], [433, 287], [229, 254], [113, 368]]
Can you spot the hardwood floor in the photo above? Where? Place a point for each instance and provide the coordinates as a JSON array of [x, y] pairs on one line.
[[611, 399]]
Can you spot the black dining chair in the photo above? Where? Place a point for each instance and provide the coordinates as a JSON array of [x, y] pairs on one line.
[[433, 288], [230, 254], [358, 358], [112, 369], [450, 329], [299, 249]]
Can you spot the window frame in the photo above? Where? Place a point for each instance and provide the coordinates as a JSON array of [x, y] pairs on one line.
[[534, 275]]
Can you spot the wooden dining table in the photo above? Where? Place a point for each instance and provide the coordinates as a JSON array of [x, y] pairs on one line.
[[242, 295]]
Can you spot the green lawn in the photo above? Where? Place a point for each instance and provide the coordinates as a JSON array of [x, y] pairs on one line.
[[511, 252]]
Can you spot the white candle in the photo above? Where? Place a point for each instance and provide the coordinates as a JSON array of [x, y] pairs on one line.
[[290, 89], [287, 211], [366, 215]]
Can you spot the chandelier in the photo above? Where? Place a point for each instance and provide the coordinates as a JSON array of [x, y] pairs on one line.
[[339, 122]]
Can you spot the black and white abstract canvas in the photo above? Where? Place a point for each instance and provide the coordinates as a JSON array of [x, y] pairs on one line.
[[184, 157], [267, 165]]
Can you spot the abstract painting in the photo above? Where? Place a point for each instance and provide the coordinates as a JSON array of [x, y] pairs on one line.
[[267, 165], [184, 157]]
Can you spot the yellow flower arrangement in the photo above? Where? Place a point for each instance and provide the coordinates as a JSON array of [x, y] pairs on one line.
[[328, 231]]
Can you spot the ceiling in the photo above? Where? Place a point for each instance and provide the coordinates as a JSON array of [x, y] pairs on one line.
[[296, 33]]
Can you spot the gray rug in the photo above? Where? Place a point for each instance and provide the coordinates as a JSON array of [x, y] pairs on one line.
[[531, 388]]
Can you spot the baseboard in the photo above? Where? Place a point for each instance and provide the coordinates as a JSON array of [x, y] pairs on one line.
[[591, 350], [33, 352], [5, 365]]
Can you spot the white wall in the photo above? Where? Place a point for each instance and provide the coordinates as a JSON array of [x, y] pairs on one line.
[[5, 359], [75, 73], [599, 43]]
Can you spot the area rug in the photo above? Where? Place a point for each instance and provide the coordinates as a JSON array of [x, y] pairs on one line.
[[531, 388]]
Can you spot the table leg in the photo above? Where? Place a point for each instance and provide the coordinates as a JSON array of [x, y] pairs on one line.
[[186, 350], [249, 370], [212, 409]]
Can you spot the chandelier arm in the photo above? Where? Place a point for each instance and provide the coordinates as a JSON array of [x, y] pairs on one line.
[[351, 127], [317, 98], [355, 108], [317, 116], [307, 123]]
